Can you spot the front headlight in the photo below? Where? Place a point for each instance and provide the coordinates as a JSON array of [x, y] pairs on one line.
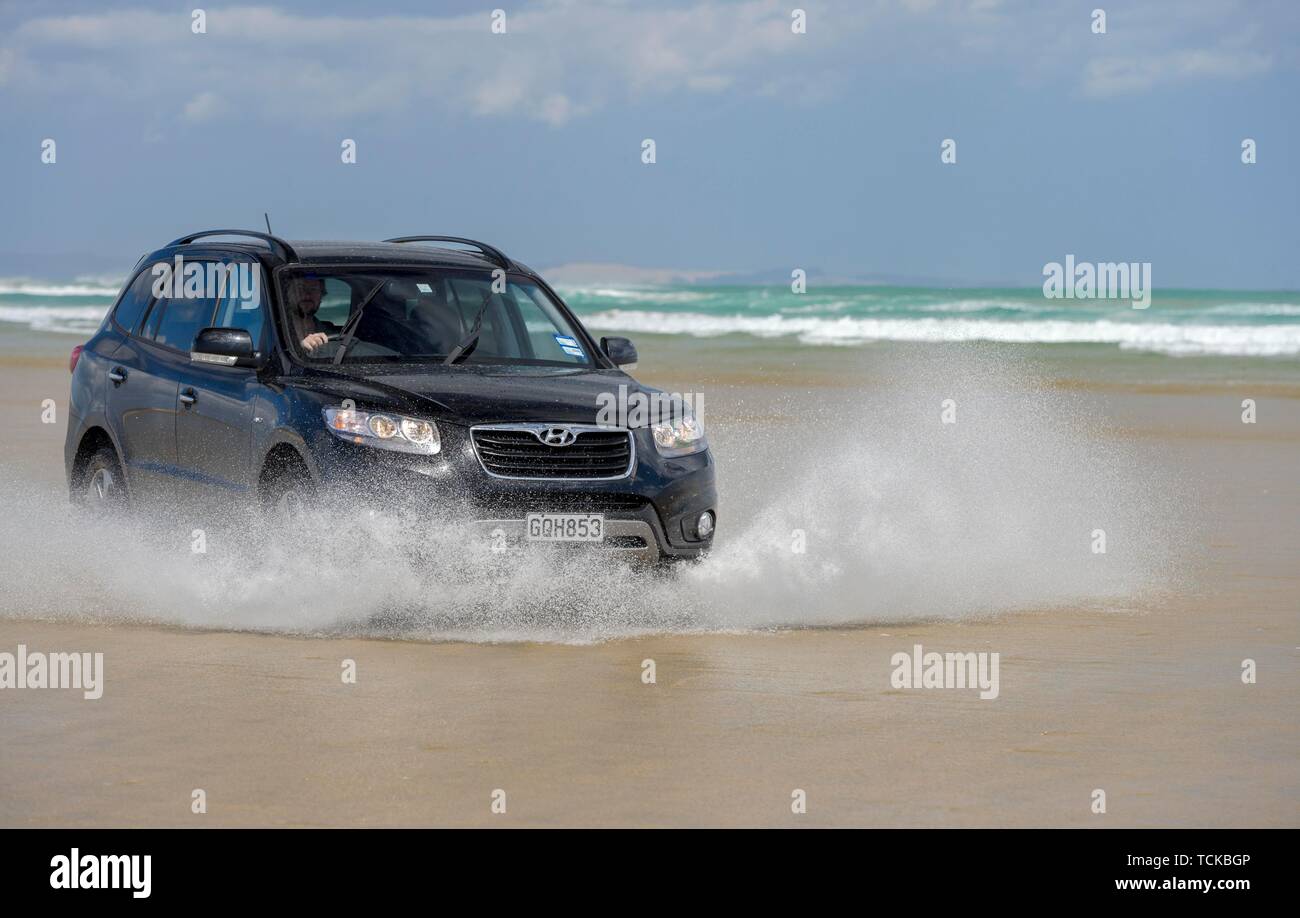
[[385, 431], [679, 437]]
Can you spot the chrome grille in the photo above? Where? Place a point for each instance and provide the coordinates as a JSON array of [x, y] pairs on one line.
[[520, 451]]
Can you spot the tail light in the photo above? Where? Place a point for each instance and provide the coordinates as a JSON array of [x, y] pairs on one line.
[[76, 355]]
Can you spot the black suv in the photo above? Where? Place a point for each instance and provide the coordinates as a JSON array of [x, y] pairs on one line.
[[275, 373]]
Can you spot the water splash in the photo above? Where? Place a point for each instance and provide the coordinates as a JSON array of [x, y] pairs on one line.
[[899, 517]]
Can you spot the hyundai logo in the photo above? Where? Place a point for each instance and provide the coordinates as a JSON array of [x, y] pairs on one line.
[[557, 436]]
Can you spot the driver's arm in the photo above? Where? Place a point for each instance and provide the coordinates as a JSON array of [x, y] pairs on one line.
[[314, 340]]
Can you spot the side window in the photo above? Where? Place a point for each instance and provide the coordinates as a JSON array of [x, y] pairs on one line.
[[174, 322], [242, 306], [181, 321], [541, 319], [134, 302], [151, 321]]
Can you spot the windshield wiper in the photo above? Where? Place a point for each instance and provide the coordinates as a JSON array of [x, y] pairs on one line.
[[467, 345], [350, 329]]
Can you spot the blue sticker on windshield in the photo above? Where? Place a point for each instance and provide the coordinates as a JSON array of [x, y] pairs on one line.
[[569, 345]]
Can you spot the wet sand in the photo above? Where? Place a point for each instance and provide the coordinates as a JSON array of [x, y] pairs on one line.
[[1143, 699]]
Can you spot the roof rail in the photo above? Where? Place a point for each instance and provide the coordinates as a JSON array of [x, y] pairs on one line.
[[278, 245], [493, 254]]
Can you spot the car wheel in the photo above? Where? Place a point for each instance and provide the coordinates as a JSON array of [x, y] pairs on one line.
[[288, 495], [103, 486]]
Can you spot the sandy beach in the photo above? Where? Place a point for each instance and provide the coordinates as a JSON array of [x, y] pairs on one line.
[[974, 501], [1130, 682]]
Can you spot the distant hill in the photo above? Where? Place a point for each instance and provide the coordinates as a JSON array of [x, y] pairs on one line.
[[585, 273]]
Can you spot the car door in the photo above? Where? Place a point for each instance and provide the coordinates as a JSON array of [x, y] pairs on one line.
[[140, 401], [214, 425], [165, 339]]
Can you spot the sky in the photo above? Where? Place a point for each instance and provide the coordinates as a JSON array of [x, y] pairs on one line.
[[774, 150]]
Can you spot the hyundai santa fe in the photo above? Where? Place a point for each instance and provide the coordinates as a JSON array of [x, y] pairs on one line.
[[424, 371]]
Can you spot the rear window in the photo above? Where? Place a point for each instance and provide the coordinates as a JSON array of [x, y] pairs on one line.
[[134, 302]]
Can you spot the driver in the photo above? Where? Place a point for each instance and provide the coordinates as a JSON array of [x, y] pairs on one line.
[[305, 294]]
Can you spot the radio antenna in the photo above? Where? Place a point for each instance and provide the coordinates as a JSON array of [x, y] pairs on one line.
[[268, 224]]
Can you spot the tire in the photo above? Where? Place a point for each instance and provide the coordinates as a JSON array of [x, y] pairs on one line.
[[101, 486], [288, 494]]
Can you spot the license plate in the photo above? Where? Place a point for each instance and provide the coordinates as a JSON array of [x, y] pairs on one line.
[[565, 527]]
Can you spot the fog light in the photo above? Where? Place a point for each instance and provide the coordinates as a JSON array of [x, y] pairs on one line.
[[704, 525]]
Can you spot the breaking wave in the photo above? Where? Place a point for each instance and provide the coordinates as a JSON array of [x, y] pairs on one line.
[[1175, 340]]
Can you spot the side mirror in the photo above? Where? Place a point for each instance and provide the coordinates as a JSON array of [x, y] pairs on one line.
[[224, 347], [619, 350]]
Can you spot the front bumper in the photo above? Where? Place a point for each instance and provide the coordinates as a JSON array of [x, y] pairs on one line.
[[650, 514], [630, 539]]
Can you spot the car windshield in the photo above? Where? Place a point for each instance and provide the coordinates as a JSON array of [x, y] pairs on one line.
[[424, 314]]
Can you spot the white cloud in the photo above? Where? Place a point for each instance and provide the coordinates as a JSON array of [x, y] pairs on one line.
[[560, 61], [1113, 75], [556, 62], [557, 108], [203, 107]]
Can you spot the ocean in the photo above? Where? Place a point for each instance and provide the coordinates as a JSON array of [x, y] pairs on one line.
[[1178, 323]]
